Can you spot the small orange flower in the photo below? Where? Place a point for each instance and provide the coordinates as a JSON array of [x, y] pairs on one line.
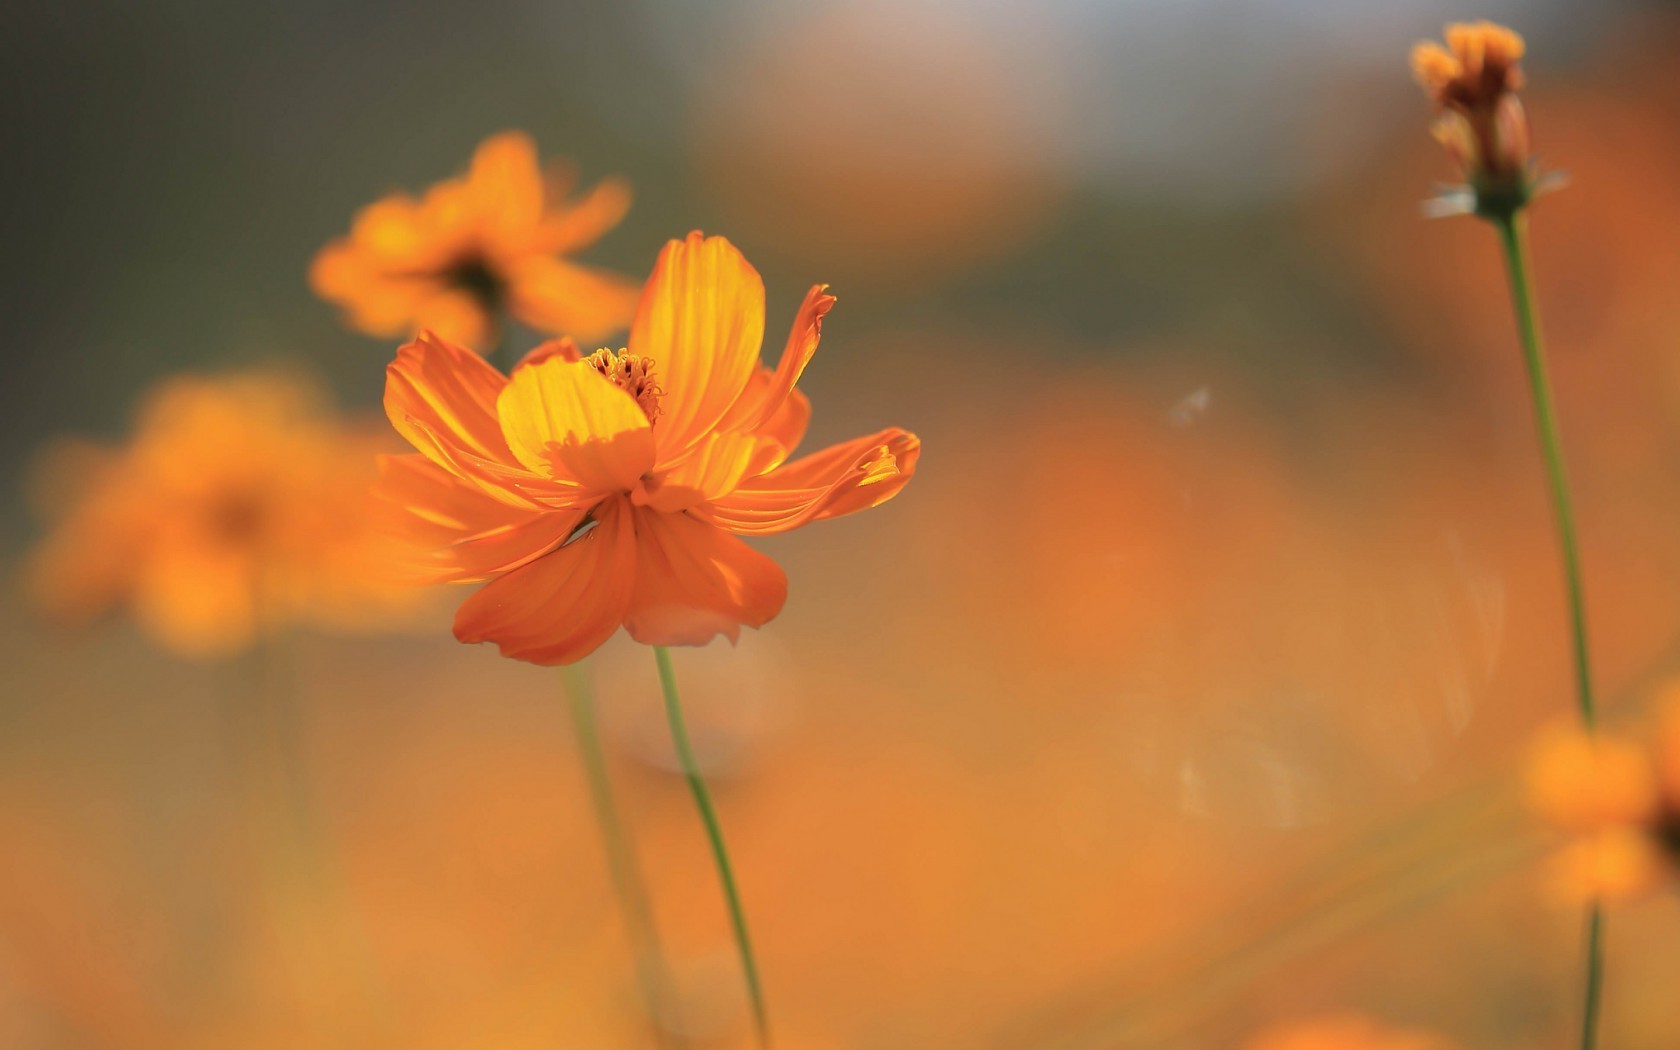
[[476, 246], [1606, 793], [234, 508], [1580, 782], [1472, 83], [611, 490], [1349, 1031]]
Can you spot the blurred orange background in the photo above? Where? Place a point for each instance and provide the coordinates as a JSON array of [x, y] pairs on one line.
[[1179, 697]]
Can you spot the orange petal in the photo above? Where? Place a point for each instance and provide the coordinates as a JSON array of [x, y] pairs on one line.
[[853, 476], [564, 348], [553, 295], [714, 469], [392, 235], [694, 582], [453, 315], [701, 320], [561, 607], [567, 421], [442, 398], [505, 186], [449, 531], [574, 225], [758, 405]]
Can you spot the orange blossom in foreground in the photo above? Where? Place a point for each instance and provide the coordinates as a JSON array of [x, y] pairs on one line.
[[474, 247], [607, 490]]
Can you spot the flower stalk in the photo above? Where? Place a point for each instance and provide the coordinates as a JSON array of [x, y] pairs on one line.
[[652, 975], [1513, 238], [714, 834]]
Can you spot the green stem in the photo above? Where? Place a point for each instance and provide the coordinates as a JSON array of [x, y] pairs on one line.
[[626, 874], [1513, 233], [720, 853], [1513, 237], [1595, 975]]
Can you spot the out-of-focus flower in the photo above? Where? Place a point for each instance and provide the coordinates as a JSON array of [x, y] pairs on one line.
[[1344, 1032], [608, 490], [1617, 799], [239, 504], [473, 247], [1472, 83]]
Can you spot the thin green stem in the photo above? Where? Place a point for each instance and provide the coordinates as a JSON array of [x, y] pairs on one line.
[[1595, 975], [1513, 234], [720, 853], [1513, 237], [626, 874]]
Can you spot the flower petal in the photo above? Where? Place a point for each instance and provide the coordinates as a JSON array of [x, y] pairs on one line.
[[572, 225], [505, 185], [714, 469], [561, 607], [694, 582], [568, 422], [442, 398], [701, 321], [853, 476], [554, 295], [762, 400], [449, 531]]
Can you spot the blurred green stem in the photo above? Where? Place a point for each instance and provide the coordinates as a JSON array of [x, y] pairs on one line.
[[714, 833], [626, 874], [1513, 236]]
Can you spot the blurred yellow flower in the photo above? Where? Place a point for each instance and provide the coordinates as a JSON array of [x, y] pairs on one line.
[[476, 246], [613, 490], [240, 504], [1348, 1031]]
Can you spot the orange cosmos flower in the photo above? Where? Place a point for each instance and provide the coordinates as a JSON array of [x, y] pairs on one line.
[[234, 508], [1472, 83], [476, 246], [607, 490]]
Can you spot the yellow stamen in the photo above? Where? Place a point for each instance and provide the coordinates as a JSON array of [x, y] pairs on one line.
[[631, 373]]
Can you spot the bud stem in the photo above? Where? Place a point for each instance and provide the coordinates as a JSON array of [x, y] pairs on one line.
[[1513, 236]]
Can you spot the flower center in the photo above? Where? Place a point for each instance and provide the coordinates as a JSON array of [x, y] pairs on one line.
[[472, 274], [631, 373]]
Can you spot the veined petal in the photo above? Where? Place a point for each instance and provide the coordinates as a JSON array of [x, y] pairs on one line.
[[442, 398], [449, 389], [555, 295], [563, 348], [694, 582], [763, 399], [714, 469], [449, 531], [566, 421], [562, 606], [853, 476], [701, 321]]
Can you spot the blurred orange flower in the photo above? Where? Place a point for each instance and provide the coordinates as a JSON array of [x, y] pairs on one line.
[[239, 504], [1614, 797], [611, 490], [1344, 1032], [1472, 83], [476, 246]]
